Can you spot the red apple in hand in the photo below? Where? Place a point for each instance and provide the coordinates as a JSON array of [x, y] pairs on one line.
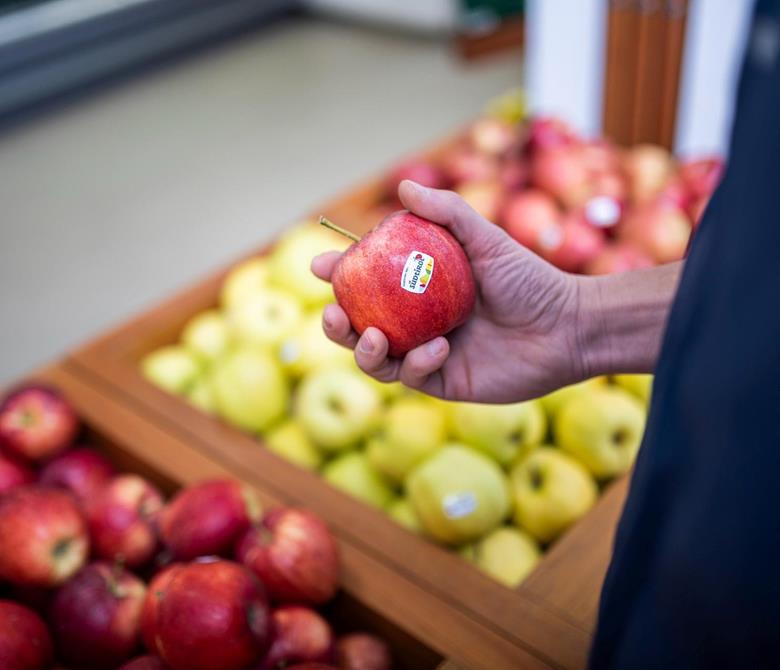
[[659, 228], [579, 245], [14, 473], [82, 471], [212, 616], [43, 536], [418, 170], [122, 520], [36, 423], [618, 258], [96, 615], [300, 635], [294, 555], [25, 643], [208, 518], [362, 651], [145, 663], [408, 277]]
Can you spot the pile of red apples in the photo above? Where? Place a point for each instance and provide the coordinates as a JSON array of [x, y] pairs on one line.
[[585, 205], [99, 571]]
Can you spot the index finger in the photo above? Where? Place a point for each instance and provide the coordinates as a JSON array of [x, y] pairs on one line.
[[324, 264]]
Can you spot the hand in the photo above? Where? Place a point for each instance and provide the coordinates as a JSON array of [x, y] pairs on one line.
[[521, 340]]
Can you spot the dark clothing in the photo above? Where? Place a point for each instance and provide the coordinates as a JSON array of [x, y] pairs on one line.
[[695, 577]]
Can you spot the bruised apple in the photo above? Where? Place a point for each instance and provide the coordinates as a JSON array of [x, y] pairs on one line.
[[408, 277]]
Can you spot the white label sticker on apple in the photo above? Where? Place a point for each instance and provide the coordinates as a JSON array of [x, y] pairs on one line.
[[417, 273], [458, 505]]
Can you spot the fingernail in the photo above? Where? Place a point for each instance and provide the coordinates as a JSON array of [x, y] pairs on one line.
[[366, 345], [435, 347]]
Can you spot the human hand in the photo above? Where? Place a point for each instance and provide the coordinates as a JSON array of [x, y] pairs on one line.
[[520, 341]]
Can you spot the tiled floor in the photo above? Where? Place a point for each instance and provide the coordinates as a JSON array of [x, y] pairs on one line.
[[119, 199]]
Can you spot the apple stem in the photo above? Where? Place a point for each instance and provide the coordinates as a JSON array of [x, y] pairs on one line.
[[342, 231]]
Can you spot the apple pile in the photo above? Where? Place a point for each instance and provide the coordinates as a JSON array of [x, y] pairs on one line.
[[229, 586], [585, 205], [496, 483]]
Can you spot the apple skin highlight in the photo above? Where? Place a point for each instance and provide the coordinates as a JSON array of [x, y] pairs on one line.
[[367, 282]]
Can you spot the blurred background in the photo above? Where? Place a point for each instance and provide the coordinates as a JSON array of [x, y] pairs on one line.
[[144, 142]]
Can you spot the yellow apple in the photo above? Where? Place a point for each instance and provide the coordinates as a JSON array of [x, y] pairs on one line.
[[507, 554], [551, 491], [207, 335], [602, 429], [201, 396], [308, 348], [289, 441], [337, 408], [411, 429], [265, 318], [640, 385], [353, 474], [503, 432], [402, 512], [459, 494], [173, 368], [290, 262], [552, 402], [245, 279], [250, 389]]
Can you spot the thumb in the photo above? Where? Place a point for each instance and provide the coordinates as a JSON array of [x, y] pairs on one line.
[[448, 209]]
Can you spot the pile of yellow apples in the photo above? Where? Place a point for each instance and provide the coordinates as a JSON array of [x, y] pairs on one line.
[[498, 483]]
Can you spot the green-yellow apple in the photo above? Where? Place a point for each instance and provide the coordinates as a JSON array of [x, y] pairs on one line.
[[207, 335], [337, 408], [402, 512], [640, 385], [290, 441], [411, 429], [602, 429], [459, 494], [245, 279], [552, 402], [250, 389], [551, 491], [353, 474], [308, 348], [201, 395], [173, 368], [507, 554], [388, 392], [503, 432], [290, 262], [265, 318]]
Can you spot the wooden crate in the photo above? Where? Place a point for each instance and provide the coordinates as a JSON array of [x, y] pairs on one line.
[[446, 603], [136, 445]]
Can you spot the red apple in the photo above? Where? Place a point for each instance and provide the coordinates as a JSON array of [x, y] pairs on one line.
[[158, 589], [533, 219], [300, 636], [464, 164], [362, 651], [43, 536], [208, 518], [546, 133], [513, 174], [493, 136], [660, 228], [314, 666], [145, 663], [696, 209], [600, 156], [408, 277], [648, 167], [212, 616], [580, 243], [82, 471], [418, 170], [294, 555], [484, 197], [562, 172], [14, 473], [122, 520], [702, 176], [677, 192], [25, 643], [95, 616], [618, 258], [36, 423]]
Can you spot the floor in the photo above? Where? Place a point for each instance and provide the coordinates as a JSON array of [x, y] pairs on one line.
[[119, 199]]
